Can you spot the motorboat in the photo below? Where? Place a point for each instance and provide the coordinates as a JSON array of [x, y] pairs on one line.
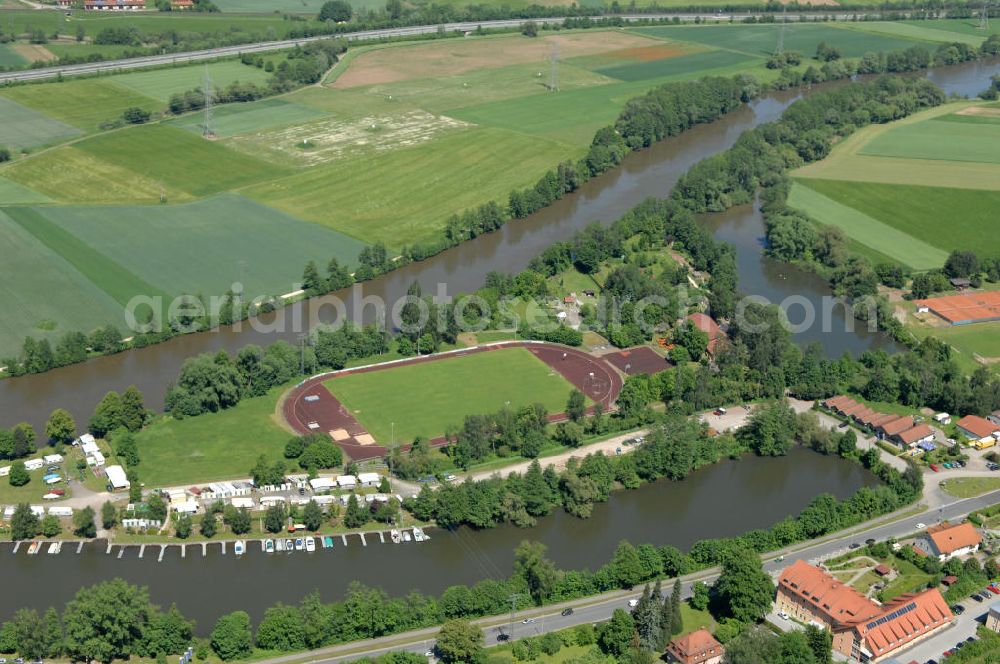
[[289, 545], [327, 542], [299, 544], [33, 549], [406, 536], [310, 544], [269, 546], [418, 534], [395, 536], [240, 547], [55, 547], [279, 545]]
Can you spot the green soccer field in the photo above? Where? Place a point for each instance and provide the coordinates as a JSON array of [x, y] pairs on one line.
[[426, 399]]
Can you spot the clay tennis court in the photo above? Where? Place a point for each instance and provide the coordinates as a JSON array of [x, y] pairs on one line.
[[641, 359], [965, 308], [311, 408]]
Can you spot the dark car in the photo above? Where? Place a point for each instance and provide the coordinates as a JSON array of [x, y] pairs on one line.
[[567, 612], [977, 597], [854, 545], [842, 425], [869, 541], [503, 637], [958, 609]]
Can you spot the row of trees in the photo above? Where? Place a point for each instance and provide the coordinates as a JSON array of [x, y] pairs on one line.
[[39, 355]]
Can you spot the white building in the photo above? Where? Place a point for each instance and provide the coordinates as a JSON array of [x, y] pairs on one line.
[[347, 481], [117, 478], [369, 479], [90, 447], [61, 511], [4, 471], [33, 464], [242, 503], [945, 541], [53, 458], [321, 484], [187, 507], [85, 439]]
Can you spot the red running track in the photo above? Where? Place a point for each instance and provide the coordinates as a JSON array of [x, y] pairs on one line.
[[311, 408]]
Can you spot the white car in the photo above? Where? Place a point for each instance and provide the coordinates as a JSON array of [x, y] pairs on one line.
[[921, 526], [528, 621], [632, 603], [782, 615], [429, 653]]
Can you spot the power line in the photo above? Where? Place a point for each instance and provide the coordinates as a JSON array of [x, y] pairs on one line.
[[554, 75], [208, 128], [984, 17], [781, 33]]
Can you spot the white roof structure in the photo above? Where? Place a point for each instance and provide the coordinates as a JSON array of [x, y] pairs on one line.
[[271, 499], [369, 478], [116, 475], [346, 480], [4, 471], [8, 512], [84, 440], [33, 464], [60, 510], [188, 507], [90, 447], [321, 484], [38, 510], [242, 503], [52, 458]]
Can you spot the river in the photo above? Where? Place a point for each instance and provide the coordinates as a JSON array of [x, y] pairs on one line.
[[723, 500]]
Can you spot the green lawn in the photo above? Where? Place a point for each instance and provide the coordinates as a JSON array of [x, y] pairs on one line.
[[11, 58], [981, 338], [761, 40], [179, 159], [426, 399], [40, 285], [233, 119], [83, 103], [33, 491], [893, 242], [969, 487], [939, 139], [910, 579], [916, 211], [641, 71], [214, 446], [406, 195], [12, 193], [23, 127], [932, 31], [161, 83], [205, 246]]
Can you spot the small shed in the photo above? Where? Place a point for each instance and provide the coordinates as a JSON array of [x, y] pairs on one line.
[[346, 481], [53, 458], [33, 464], [117, 478], [241, 503], [949, 580], [369, 479], [882, 570], [321, 484]]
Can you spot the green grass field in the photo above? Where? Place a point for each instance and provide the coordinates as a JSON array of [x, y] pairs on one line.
[[182, 160], [910, 579], [918, 212], [213, 446], [669, 67], [257, 116], [761, 40], [12, 193], [11, 58], [940, 140], [161, 83], [83, 103], [839, 210], [40, 285], [238, 240], [23, 127], [426, 399], [423, 184]]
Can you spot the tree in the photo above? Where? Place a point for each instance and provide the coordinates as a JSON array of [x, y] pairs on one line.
[[239, 521], [23, 436], [529, 29], [126, 447], [29, 630], [274, 518], [820, 642], [459, 641], [133, 412], [182, 526], [209, 526], [61, 428], [743, 591], [699, 596], [18, 474], [83, 523], [53, 632], [169, 632], [107, 416], [312, 516], [231, 637], [337, 11], [50, 525], [355, 516], [109, 515], [281, 629], [576, 407], [615, 636], [962, 264], [676, 618], [646, 616], [135, 115], [106, 621], [23, 523], [538, 572], [771, 429]]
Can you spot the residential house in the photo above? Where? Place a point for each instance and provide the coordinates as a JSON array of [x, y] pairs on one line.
[[945, 541], [993, 617], [977, 429], [862, 628], [896, 426], [181, 4], [914, 436], [707, 324], [698, 647]]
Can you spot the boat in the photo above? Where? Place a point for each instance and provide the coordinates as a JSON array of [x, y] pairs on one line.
[[310, 544], [240, 547], [406, 536], [269, 546], [55, 547], [33, 549], [327, 542], [395, 536], [418, 534], [299, 544], [279, 545], [289, 545]]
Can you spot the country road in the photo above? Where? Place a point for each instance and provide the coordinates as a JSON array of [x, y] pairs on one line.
[[110, 66]]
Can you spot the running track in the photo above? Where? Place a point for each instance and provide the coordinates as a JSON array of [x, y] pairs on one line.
[[311, 408]]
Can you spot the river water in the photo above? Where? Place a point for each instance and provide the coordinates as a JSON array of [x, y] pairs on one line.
[[722, 500]]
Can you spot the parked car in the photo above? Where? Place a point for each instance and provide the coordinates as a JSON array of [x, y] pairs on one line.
[[993, 588], [567, 612], [843, 425], [632, 603], [958, 609], [935, 468], [921, 525], [720, 411], [450, 477], [854, 545], [528, 621], [503, 637], [870, 541]]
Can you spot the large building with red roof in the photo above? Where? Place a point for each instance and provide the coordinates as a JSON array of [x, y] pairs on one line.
[[698, 647], [945, 540], [862, 628]]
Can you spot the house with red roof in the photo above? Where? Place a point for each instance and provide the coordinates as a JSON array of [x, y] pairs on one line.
[[922, 433], [896, 426], [945, 540], [977, 428], [707, 324], [698, 647]]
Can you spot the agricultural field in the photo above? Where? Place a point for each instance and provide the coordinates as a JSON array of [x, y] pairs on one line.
[[10, 57], [941, 139], [82, 103], [425, 399], [251, 119], [159, 84], [12, 193], [24, 128]]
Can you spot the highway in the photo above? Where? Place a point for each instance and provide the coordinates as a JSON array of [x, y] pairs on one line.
[[599, 608], [110, 66]]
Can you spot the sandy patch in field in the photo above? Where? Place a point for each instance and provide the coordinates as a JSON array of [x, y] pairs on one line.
[[647, 53], [35, 52], [450, 57], [320, 142], [980, 111]]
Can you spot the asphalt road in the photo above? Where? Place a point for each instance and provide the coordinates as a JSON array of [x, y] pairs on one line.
[[365, 35], [597, 609]]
